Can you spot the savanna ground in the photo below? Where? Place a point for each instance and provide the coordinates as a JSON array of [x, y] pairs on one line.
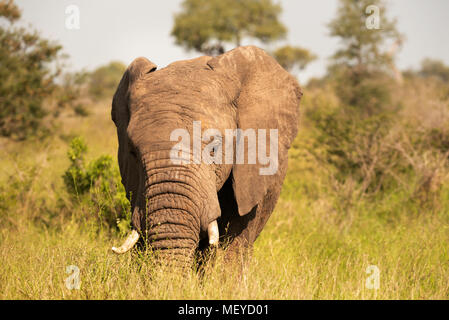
[[318, 243]]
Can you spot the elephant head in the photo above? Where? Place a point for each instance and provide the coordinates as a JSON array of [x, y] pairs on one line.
[[174, 193]]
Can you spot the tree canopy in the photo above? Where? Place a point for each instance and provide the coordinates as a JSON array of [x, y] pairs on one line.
[[104, 80], [364, 63], [207, 25], [359, 45], [434, 68], [27, 80], [290, 57]]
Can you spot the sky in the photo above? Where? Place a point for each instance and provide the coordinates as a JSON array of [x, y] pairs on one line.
[[125, 29]]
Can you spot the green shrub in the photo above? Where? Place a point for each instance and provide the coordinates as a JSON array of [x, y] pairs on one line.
[[434, 68], [72, 93], [24, 198], [381, 155], [27, 80], [105, 79], [357, 148], [98, 184]]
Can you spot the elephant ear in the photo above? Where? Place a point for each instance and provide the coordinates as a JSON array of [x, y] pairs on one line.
[[120, 107], [266, 97], [120, 114]]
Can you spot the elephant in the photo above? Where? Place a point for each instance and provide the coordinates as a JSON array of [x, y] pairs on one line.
[[180, 206]]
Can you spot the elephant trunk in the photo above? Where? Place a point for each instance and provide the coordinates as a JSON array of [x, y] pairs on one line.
[[179, 203], [174, 208]]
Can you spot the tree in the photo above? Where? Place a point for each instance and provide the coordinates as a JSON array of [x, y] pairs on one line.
[[105, 79], [206, 25], [290, 57], [361, 47], [356, 132], [26, 78], [434, 68], [72, 92], [362, 67]]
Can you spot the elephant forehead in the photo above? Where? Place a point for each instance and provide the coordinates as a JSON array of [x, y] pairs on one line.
[[183, 81], [192, 92]]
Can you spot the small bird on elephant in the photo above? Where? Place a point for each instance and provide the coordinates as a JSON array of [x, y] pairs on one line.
[[193, 143]]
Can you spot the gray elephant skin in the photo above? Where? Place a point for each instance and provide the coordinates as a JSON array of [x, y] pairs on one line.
[[177, 207]]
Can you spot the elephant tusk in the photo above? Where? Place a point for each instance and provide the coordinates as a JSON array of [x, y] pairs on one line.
[[212, 231], [130, 241]]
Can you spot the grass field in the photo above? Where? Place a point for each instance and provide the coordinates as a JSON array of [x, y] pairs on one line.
[[311, 248]]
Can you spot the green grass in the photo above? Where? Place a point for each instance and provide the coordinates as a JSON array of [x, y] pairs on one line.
[[311, 248]]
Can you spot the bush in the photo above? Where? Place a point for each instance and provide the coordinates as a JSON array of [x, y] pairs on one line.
[[97, 183], [434, 68], [104, 80], [359, 149], [27, 80], [25, 199], [368, 92], [72, 93], [385, 153]]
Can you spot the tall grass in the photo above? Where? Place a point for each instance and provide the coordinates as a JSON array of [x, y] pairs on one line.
[[318, 243]]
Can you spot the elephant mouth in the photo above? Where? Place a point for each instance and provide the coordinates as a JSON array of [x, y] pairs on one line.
[[133, 238]]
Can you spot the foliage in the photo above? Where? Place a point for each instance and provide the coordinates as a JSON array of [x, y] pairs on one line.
[[432, 68], [27, 79], [290, 57], [366, 93], [9, 10], [206, 25], [104, 80], [359, 134], [402, 151], [353, 146], [15, 193], [362, 47], [98, 182], [362, 65], [70, 92]]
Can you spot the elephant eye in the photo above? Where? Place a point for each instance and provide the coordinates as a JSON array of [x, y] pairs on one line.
[[132, 149], [217, 143]]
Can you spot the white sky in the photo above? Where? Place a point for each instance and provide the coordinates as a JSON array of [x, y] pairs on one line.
[[125, 29]]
